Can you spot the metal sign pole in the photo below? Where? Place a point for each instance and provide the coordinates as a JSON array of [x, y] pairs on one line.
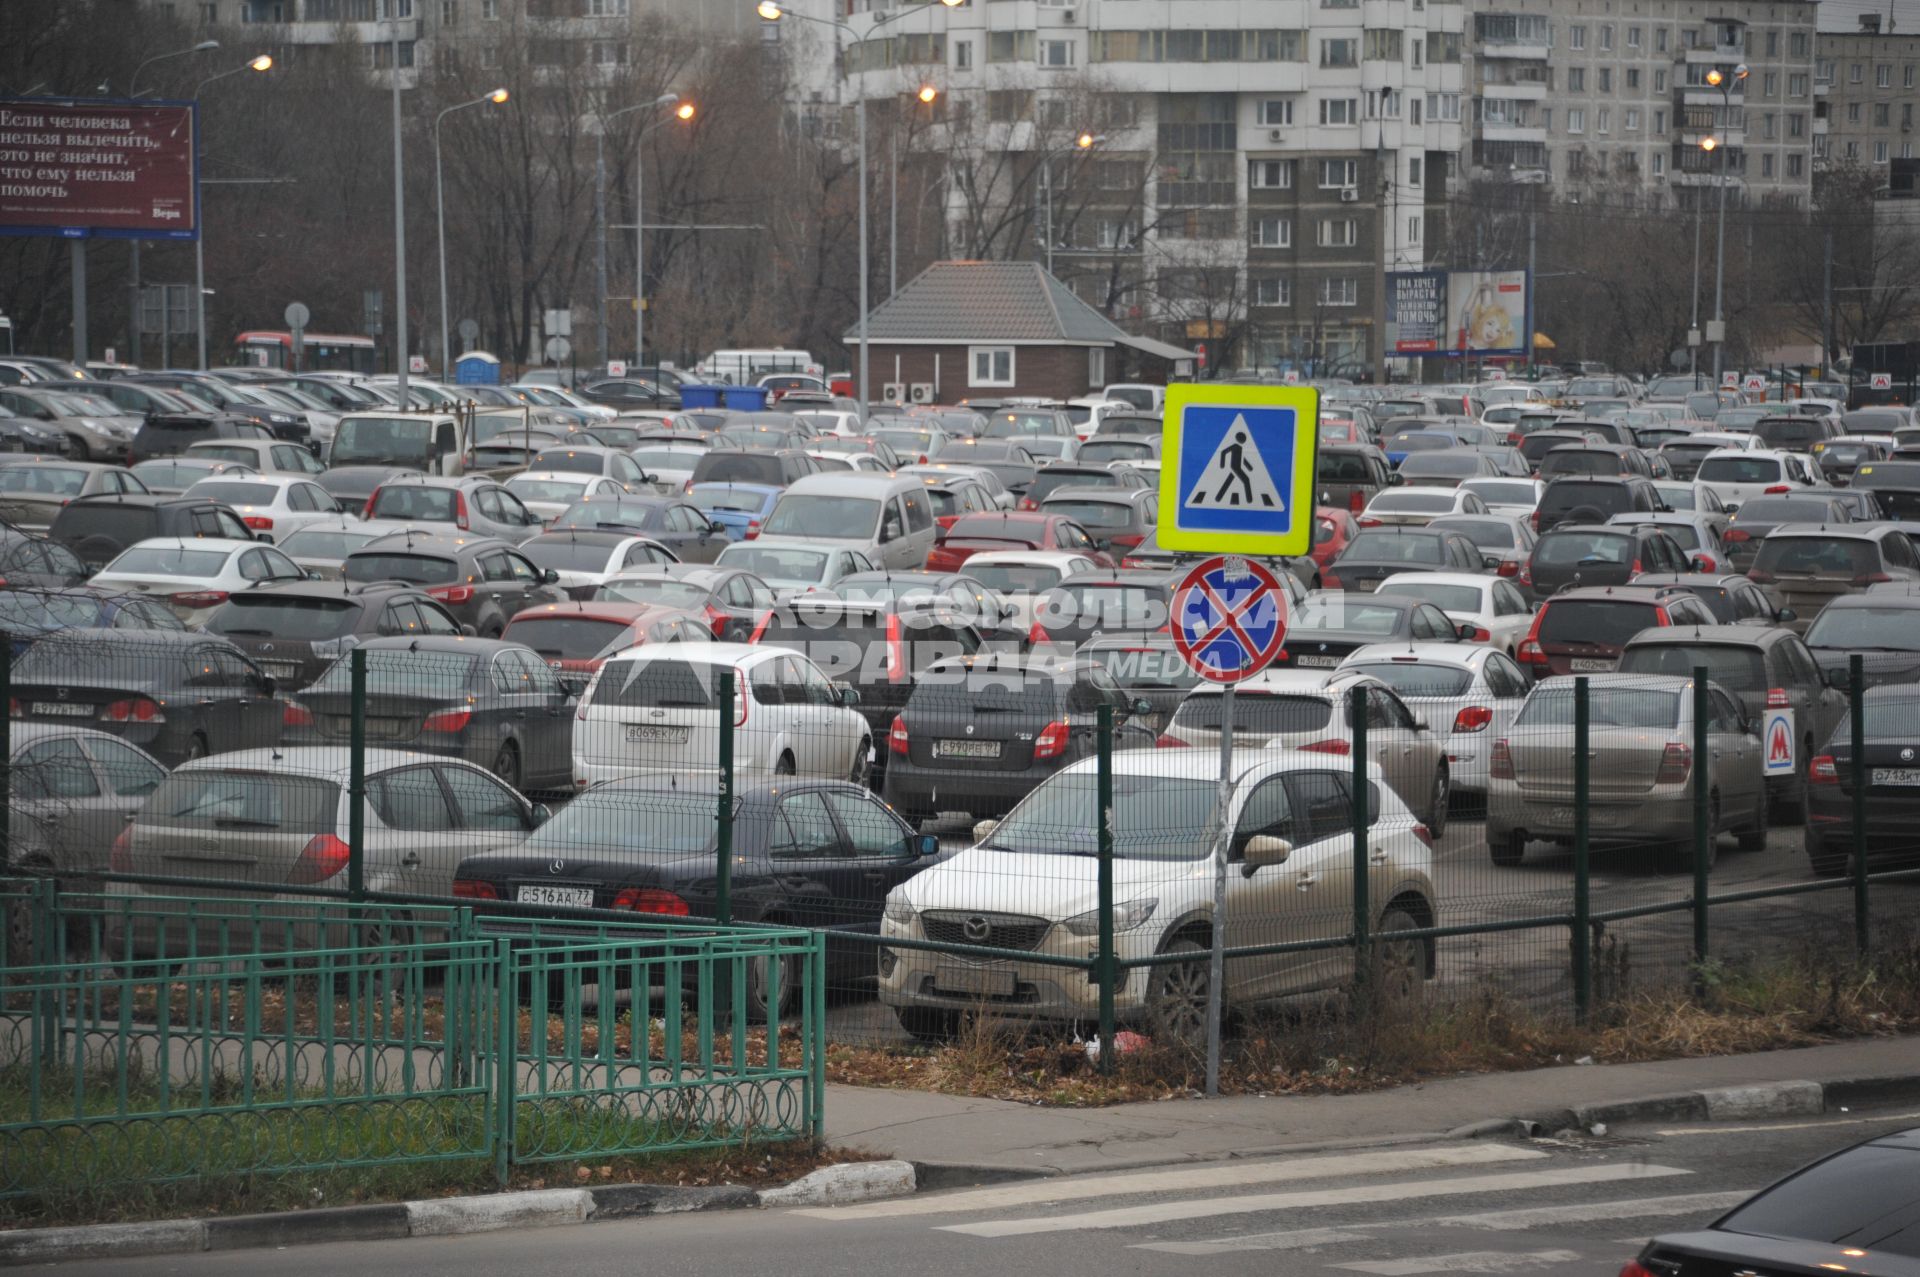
[[1217, 960]]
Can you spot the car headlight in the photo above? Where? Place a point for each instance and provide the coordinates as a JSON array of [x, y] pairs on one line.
[[1125, 917], [899, 910]]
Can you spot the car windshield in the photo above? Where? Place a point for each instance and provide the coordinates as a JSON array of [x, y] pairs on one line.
[[1847, 454], [778, 564], [415, 569], [1739, 470], [1741, 669], [1816, 556], [945, 693], [652, 459], [23, 609], [1256, 713], [51, 481], [556, 491], [1445, 463], [1375, 546], [611, 512], [1423, 501], [391, 671], [1014, 578], [416, 501], [1094, 514], [1099, 452], [1607, 707], [1488, 534], [1789, 433], [246, 800], [1607, 622], [1108, 606], [1412, 679], [1345, 612], [629, 823], [1580, 461], [1782, 510], [1862, 1199], [1144, 667], [568, 461], [236, 493], [1868, 421], [564, 555], [1880, 629], [376, 440], [297, 619], [316, 544], [659, 683], [1154, 818], [1608, 498], [659, 591], [727, 497], [569, 638], [1342, 467], [1495, 492], [804, 514], [167, 560], [1448, 598]]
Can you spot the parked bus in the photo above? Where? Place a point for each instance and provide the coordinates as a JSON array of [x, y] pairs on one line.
[[319, 352]]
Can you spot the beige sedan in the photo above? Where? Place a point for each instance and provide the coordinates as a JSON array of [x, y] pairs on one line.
[[34, 489]]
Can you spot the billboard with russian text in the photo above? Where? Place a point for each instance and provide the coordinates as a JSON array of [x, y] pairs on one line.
[[81, 167], [1416, 312]]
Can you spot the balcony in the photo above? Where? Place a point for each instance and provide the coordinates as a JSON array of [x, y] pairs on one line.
[[1720, 55], [1532, 92], [1509, 131], [1512, 50]]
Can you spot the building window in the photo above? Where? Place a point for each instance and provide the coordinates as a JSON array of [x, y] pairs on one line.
[[1883, 76], [610, 53], [1546, 118], [1797, 44], [1272, 291], [1882, 115], [989, 365], [1606, 79], [1633, 79], [1660, 81], [1879, 152], [1772, 82], [1419, 52], [1796, 86], [1382, 45], [1008, 106], [1339, 232], [1576, 120], [209, 14], [449, 13], [1339, 292], [1659, 164], [1339, 53], [1443, 106], [1795, 165], [1823, 71], [1576, 37], [1056, 53], [1906, 115], [1773, 44], [963, 55], [1413, 229], [1766, 165], [1603, 119], [1796, 124], [1097, 366], [1853, 113], [1659, 39], [1633, 37], [1606, 39], [606, 8], [1336, 174], [1415, 107], [1577, 80], [490, 10], [1906, 76], [1272, 232], [1271, 175], [1274, 111], [1339, 111], [1853, 73], [1852, 151], [1659, 123], [490, 56], [1632, 122], [1415, 170]]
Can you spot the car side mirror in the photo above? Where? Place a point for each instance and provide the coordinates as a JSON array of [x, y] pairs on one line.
[[1142, 705], [1263, 850], [267, 686], [573, 686], [925, 845], [848, 696], [983, 830], [550, 577], [467, 630], [541, 814], [1697, 563], [1786, 614], [264, 536], [1465, 631], [1395, 479], [1490, 561]]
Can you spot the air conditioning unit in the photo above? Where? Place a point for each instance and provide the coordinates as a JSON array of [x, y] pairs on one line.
[[921, 392], [1349, 195], [894, 392], [1276, 135], [1069, 16]]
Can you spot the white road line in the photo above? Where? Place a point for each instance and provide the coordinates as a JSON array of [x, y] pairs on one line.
[[1587, 1212], [1166, 1212], [1226, 1175], [1300, 1239], [1787, 1126], [1472, 1261]]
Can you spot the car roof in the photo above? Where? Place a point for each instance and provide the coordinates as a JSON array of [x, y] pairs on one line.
[[1633, 682], [1475, 579], [1856, 531], [1720, 635], [409, 541], [712, 653], [1459, 655], [589, 609], [1612, 594], [853, 484], [1329, 684], [1026, 558], [328, 761], [229, 544]]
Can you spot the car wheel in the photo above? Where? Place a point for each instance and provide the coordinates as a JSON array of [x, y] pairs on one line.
[[1508, 849], [506, 764], [862, 772], [1399, 965], [1437, 809], [77, 449], [197, 747], [773, 985], [929, 1024], [1177, 995], [785, 766], [1790, 807], [1826, 862]]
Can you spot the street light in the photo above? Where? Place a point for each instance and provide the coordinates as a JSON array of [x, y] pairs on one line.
[[770, 11], [133, 245], [927, 95], [1083, 142], [496, 97], [1725, 83], [133, 83], [682, 111], [260, 63]]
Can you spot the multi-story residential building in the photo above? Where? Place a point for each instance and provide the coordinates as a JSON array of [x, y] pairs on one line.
[[1868, 67], [1591, 94]]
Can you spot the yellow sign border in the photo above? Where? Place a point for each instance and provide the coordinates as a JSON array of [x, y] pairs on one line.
[[1305, 402]]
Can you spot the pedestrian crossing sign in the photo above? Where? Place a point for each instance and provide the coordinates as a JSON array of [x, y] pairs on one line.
[[1240, 478]]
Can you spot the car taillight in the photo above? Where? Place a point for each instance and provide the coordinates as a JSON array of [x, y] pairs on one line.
[[1481, 634], [454, 719], [296, 715], [1038, 635], [1823, 771], [1526, 574], [1708, 563], [1737, 536], [199, 598], [651, 900], [741, 701], [1507, 568], [258, 522], [1354, 503], [753, 530], [760, 628], [460, 511], [14, 709], [1128, 540], [1474, 718], [137, 709], [452, 593], [1164, 741], [367, 512], [120, 858], [1332, 745], [1871, 578], [1635, 1268], [1500, 763], [1424, 834], [1776, 489], [322, 858], [474, 889], [896, 652], [1371, 523], [1052, 740], [1534, 518], [1329, 581], [897, 740], [716, 620], [1028, 503], [1675, 763], [1777, 698], [1636, 569]]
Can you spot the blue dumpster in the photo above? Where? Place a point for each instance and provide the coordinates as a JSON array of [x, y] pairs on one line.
[[741, 398], [694, 395], [476, 368]]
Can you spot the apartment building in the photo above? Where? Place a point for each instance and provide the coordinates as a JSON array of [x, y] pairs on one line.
[[1867, 65], [1612, 98]]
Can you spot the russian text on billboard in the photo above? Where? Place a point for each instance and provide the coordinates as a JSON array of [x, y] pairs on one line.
[[93, 167]]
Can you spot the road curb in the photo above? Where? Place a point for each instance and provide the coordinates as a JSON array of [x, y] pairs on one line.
[[1797, 1097]]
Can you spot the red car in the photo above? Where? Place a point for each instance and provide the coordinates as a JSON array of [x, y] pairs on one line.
[[1332, 529], [973, 534], [1583, 630], [574, 638]]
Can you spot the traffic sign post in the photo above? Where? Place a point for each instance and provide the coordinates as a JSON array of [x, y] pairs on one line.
[[1229, 620], [1238, 477]]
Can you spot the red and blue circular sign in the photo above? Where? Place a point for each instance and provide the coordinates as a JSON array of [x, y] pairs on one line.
[[1229, 618]]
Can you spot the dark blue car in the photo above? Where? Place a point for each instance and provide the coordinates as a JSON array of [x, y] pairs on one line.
[[740, 508]]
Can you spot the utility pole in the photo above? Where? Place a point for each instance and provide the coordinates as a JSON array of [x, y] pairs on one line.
[[1826, 305], [399, 216], [1532, 320], [600, 249], [893, 205], [1383, 182], [1693, 329]]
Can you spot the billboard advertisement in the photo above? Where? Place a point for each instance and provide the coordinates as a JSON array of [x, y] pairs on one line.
[[1416, 312], [80, 167], [1489, 312]]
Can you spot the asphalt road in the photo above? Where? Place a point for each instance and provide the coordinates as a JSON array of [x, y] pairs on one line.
[[1576, 1207]]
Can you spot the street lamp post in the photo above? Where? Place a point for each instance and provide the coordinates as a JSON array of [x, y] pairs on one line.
[[770, 11], [133, 245], [263, 62], [600, 204], [927, 93], [496, 97], [1084, 142], [1725, 83]]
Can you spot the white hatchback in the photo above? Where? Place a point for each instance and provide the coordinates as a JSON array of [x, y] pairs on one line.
[[1499, 612], [548, 493], [271, 504], [1737, 476], [194, 575], [1468, 695], [656, 708]]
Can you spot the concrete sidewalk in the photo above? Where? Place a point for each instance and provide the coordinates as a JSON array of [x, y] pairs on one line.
[[938, 1131]]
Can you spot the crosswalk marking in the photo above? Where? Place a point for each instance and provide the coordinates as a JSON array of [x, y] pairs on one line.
[[1228, 1175], [1298, 1239], [1167, 1212], [1587, 1212], [1472, 1261]]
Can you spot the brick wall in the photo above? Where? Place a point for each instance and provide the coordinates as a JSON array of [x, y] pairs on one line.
[[1054, 372]]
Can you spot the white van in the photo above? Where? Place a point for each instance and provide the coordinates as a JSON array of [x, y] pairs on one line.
[[887, 517]]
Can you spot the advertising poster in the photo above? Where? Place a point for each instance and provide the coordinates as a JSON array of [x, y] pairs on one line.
[[1488, 311], [92, 167], [1416, 312]]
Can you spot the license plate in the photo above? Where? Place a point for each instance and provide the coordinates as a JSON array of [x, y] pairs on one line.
[[578, 897], [651, 734], [966, 749], [1560, 817], [66, 709], [280, 669], [1316, 662], [1590, 665], [1896, 775], [988, 982]]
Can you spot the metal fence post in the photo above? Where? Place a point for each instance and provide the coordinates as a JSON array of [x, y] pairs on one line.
[[1362, 807], [1702, 814], [1856, 706], [1105, 971], [357, 779], [723, 814], [1582, 902], [6, 751]]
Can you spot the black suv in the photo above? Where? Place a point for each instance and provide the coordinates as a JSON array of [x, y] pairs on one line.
[[1605, 459], [480, 581], [98, 527], [173, 434], [294, 630], [1600, 554], [1594, 499]]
